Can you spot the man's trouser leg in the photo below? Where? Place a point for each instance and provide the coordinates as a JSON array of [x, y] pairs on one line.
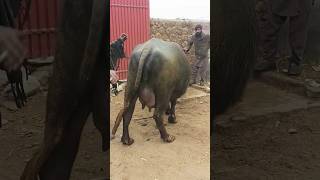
[[194, 73], [269, 37], [297, 38], [203, 70]]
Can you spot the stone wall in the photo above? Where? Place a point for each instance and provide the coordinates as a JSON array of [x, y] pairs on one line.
[[177, 31]]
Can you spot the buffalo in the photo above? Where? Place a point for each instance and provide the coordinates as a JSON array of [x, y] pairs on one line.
[[234, 50], [158, 75], [77, 88]]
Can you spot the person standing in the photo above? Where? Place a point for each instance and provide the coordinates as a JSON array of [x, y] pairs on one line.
[[298, 13], [201, 43]]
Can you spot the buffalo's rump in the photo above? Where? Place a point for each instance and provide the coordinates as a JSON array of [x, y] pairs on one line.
[[165, 72]]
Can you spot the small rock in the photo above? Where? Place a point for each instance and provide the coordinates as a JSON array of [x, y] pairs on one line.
[[4, 122], [277, 123], [87, 156], [143, 159], [28, 146], [148, 139], [42, 77], [31, 86], [238, 118], [156, 132], [10, 105], [292, 131]]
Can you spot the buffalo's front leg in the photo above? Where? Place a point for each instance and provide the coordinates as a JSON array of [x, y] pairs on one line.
[[127, 115], [172, 114]]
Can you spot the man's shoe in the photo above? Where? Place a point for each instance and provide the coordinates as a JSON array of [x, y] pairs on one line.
[[294, 69]]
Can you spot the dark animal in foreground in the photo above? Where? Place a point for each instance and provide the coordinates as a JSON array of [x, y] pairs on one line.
[[77, 88], [234, 47], [158, 75]]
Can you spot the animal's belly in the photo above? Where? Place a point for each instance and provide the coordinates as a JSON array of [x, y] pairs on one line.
[[147, 97]]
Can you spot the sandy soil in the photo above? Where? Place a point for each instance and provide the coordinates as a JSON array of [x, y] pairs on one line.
[[268, 151], [22, 132], [149, 158], [280, 145]]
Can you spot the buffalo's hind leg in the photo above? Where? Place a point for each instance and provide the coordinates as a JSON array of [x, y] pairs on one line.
[[127, 115], [161, 106], [168, 111], [172, 114]]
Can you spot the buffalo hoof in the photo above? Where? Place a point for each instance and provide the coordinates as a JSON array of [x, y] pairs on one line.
[[112, 136], [169, 139], [127, 141], [172, 119]]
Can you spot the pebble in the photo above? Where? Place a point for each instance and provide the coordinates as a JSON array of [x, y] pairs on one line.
[[292, 131], [277, 123], [4, 122]]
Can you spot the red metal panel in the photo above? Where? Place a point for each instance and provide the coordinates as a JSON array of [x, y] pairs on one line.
[[39, 29], [133, 18]]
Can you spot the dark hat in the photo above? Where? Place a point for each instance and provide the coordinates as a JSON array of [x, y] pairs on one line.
[[198, 26]]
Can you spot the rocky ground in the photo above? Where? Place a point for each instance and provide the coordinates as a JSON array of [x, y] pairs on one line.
[[273, 133]]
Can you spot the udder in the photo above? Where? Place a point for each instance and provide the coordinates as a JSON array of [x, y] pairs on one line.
[[146, 97]]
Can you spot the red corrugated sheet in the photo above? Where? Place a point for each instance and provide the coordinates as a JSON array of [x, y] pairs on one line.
[[40, 28], [133, 18]]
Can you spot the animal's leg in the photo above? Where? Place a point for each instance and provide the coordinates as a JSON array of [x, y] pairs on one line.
[[101, 105], [168, 110], [19, 93], [24, 97], [14, 89], [127, 115], [0, 120], [60, 162], [158, 115], [172, 115]]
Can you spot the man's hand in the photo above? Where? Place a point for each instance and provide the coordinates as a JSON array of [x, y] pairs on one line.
[[113, 77], [11, 49]]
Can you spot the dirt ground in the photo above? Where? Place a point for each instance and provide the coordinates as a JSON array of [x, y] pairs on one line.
[[149, 158], [23, 130], [267, 151], [276, 146]]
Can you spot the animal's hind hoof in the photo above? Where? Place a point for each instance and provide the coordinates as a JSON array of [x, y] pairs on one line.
[[112, 136], [169, 139], [127, 141], [172, 119]]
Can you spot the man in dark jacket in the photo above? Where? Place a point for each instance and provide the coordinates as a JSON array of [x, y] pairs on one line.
[[201, 43], [298, 12]]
